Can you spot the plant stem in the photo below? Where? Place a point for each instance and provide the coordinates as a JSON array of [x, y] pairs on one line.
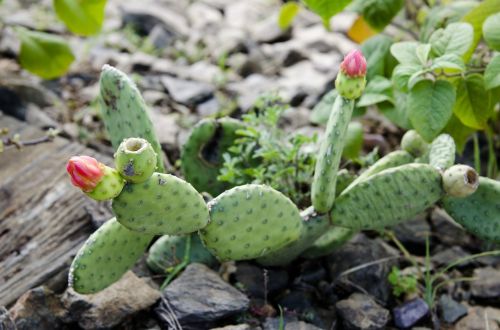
[[405, 252], [477, 153], [428, 280]]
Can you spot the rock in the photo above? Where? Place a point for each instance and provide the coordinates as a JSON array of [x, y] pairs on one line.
[[317, 38], [160, 37], [6, 322], [410, 313], [479, 318], [166, 127], [444, 257], [300, 325], [451, 310], [203, 71], [38, 308], [361, 312], [208, 108], [226, 41], [256, 280], [9, 43], [36, 117], [486, 284], [412, 234], [236, 327], [273, 323], [245, 14], [187, 92], [268, 31], [199, 297], [250, 89], [203, 16], [153, 97], [298, 300], [112, 305], [357, 252], [448, 231]]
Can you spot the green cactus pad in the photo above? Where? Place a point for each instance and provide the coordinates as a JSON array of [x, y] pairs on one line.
[[344, 179], [250, 221], [350, 88], [109, 187], [201, 158], [460, 181], [313, 226], [124, 111], [334, 238], [392, 159], [168, 251], [413, 143], [442, 152], [388, 197], [106, 256], [162, 205], [479, 213], [325, 173], [135, 160]]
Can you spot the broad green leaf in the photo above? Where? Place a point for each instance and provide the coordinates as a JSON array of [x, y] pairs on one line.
[[448, 61], [430, 105], [405, 52], [459, 132], [379, 13], [456, 38], [353, 140], [375, 50], [397, 112], [371, 98], [491, 31], [82, 17], [321, 111], [415, 78], [378, 90], [326, 8], [44, 54], [402, 74], [492, 73], [474, 104], [422, 52], [476, 17], [378, 84], [288, 11]]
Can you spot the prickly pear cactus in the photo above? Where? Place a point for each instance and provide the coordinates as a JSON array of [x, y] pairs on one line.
[[334, 238], [344, 179], [162, 205], [168, 251], [250, 221], [313, 226], [413, 143], [479, 213], [388, 197], [135, 160], [124, 111], [460, 181], [110, 186], [442, 152], [201, 158], [106, 256]]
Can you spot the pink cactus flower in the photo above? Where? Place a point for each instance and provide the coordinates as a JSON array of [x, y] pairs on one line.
[[86, 172], [354, 64]]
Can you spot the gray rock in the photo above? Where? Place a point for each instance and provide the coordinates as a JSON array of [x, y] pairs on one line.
[[268, 31], [153, 97], [6, 323], [300, 325], [199, 296], [165, 126], [245, 14], [444, 257], [203, 16], [256, 280], [112, 305], [160, 37], [187, 92], [250, 89], [236, 327], [486, 284], [479, 318], [448, 231], [9, 42], [451, 310], [226, 41], [273, 323], [361, 312], [410, 313], [208, 108], [412, 234]]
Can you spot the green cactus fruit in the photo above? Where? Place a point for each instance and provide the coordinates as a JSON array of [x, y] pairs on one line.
[[388, 197], [250, 221], [460, 181], [106, 255], [201, 158], [442, 152], [479, 213], [350, 88], [161, 205], [135, 160], [313, 226], [168, 251], [392, 159], [413, 143], [334, 238], [325, 173], [125, 113], [109, 187]]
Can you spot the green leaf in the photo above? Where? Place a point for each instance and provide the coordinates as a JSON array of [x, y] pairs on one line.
[[379, 13], [422, 52], [371, 99], [326, 8], [456, 38], [44, 54], [474, 104], [430, 105], [375, 50], [323, 108], [459, 132], [353, 141], [402, 74], [82, 17], [288, 11], [397, 112], [448, 61], [476, 18], [492, 73], [378, 90], [406, 52], [491, 31], [378, 84], [415, 78]]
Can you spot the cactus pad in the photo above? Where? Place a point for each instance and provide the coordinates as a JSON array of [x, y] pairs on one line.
[[250, 221], [442, 152], [124, 111], [162, 205], [106, 256], [328, 242], [413, 143], [135, 159], [388, 197], [201, 158], [479, 213]]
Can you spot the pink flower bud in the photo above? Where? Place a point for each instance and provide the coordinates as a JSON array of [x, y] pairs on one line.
[[354, 64], [86, 172]]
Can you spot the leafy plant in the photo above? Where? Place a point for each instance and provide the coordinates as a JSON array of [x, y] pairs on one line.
[[402, 284]]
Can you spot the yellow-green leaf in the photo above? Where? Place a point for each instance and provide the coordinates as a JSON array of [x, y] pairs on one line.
[[492, 73], [474, 104], [288, 11], [83, 17], [360, 30], [379, 13], [326, 9], [491, 31]]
